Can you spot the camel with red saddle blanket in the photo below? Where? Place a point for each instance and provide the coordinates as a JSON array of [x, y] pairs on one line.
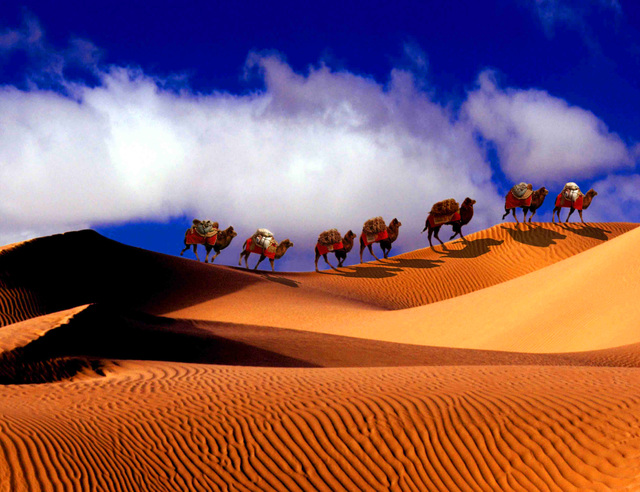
[[375, 231], [571, 197], [264, 244], [331, 241], [447, 212], [523, 196], [206, 233]]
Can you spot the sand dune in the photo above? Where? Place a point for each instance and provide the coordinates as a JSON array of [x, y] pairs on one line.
[[509, 362]]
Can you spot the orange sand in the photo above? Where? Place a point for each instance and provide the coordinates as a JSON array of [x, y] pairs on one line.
[[510, 362]]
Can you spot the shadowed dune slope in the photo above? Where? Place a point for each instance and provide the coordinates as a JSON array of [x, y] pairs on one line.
[[54, 273], [172, 426]]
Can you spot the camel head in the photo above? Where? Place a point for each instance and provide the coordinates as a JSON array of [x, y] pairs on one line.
[[230, 232], [395, 224], [286, 244], [592, 193], [468, 202], [350, 235], [543, 191]]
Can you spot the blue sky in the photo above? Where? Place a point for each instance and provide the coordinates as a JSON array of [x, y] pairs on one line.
[[134, 117]]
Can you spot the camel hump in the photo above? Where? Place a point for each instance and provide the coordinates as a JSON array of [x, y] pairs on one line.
[[329, 237], [445, 207], [374, 225]]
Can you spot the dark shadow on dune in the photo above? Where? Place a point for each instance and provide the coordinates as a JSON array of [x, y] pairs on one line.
[[281, 280], [106, 332], [385, 268], [66, 270], [586, 230], [472, 249], [534, 235]]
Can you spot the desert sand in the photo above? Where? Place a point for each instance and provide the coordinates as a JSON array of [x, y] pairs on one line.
[[507, 362]]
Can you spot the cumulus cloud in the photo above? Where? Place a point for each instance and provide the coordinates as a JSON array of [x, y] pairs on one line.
[[617, 199], [542, 137], [308, 152]]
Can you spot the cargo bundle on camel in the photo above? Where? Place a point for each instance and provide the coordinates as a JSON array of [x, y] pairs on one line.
[[263, 243], [447, 212], [206, 233], [331, 241], [571, 197]]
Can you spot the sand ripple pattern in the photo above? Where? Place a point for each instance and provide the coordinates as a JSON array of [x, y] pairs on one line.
[[165, 426]]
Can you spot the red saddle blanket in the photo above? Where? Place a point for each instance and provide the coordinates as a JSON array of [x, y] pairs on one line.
[[368, 239], [562, 201], [252, 247], [324, 249], [513, 202], [437, 220], [192, 237]]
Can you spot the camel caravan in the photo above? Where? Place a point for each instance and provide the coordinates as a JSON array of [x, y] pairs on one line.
[[375, 230], [522, 196]]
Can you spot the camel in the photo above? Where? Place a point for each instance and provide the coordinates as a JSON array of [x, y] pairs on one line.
[[586, 201], [393, 229], [466, 214], [280, 250], [341, 254], [374, 230], [201, 231], [537, 199]]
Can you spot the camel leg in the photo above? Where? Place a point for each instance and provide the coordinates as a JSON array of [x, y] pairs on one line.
[[186, 247], [429, 234], [327, 261], [506, 212], [553, 215], [457, 228], [215, 256], [533, 212], [435, 234], [262, 257], [580, 212], [208, 250], [361, 249], [240, 260], [272, 261], [524, 214], [513, 210], [195, 251], [316, 260], [570, 212], [370, 247]]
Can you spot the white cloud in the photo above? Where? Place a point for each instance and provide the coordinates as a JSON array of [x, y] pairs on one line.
[[617, 200], [543, 138], [309, 152]]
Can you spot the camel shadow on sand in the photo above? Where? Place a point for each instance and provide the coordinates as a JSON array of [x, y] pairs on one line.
[[586, 230], [385, 268], [534, 235], [471, 249]]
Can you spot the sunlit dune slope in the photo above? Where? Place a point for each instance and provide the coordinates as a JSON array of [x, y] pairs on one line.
[[175, 426], [489, 257]]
